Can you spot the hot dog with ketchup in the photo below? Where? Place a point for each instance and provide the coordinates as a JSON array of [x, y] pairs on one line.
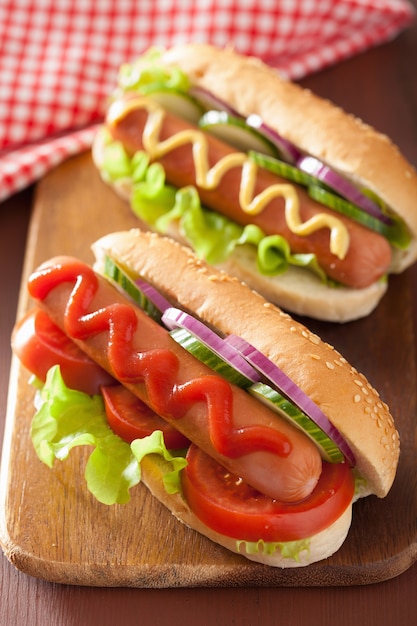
[[282, 433], [317, 208]]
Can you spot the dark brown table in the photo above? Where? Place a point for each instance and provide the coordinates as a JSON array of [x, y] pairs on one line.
[[380, 86]]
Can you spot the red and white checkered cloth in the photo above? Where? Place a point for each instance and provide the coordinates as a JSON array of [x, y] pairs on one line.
[[59, 58]]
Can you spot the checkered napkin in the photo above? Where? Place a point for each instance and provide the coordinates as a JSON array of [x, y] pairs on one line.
[[59, 58]]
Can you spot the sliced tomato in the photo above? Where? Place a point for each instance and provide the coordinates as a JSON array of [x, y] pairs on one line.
[[226, 504], [130, 418], [40, 344]]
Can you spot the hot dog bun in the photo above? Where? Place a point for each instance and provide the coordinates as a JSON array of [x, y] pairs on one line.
[[229, 306], [347, 145], [223, 302]]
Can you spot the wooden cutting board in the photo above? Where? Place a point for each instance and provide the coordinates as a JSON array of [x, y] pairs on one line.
[[50, 526]]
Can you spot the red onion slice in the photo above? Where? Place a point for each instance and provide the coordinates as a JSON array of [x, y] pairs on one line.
[[286, 386], [341, 185], [209, 101], [175, 318], [153, 295], [288, 150]]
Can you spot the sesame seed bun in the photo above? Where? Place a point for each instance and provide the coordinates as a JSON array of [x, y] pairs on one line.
[[342, 393]]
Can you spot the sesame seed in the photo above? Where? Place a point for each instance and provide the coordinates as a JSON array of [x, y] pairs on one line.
[[357, 398]]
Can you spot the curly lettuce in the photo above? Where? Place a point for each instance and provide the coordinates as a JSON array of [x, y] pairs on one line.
[[66, 418], [288, 549], [147, 75]]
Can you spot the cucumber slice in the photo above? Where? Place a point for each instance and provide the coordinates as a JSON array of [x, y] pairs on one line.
[[234, 131], [397, 233], [178, 103], [284, 169], [209, 357], [278, 403], [114, 272]]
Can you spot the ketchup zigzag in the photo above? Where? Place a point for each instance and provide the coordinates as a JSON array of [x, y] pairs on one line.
[[156, 368]]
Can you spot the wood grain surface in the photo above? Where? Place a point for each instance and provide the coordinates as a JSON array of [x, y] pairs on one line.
[[52, 528]]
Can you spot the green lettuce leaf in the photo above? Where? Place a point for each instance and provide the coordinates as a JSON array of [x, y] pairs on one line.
[[66, 418], [170, 465], [289, 549], [147, 74], [116, 163], [274, 253]]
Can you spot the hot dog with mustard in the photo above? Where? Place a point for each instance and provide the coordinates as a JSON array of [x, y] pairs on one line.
[[312, 219]]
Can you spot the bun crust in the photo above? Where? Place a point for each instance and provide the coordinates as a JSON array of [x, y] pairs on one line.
[[342, 141], [343, 394]]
